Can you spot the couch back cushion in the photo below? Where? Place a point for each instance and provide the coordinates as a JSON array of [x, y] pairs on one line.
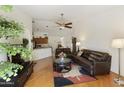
[[85, 54], [91, 58], [95, 55], [100, 56]]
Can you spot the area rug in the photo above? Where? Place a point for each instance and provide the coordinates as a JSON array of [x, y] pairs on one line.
[[76, 75]]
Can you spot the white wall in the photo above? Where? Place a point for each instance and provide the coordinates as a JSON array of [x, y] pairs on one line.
[[45, 52], [97, 31], [20, 17]]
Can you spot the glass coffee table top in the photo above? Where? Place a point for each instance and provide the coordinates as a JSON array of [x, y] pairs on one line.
[[62, 60], [62, 65]]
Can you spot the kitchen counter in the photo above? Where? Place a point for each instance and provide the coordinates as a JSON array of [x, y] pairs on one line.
[[41, 52], [41, 47]]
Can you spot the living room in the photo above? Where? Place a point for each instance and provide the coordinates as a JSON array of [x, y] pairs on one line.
[[96, 28]]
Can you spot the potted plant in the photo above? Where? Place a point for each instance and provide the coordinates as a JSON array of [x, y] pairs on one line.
[[11, 29], [12, 50], [6, 8], [8, 70]]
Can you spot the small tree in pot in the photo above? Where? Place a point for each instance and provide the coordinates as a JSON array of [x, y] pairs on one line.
[[11, 29]]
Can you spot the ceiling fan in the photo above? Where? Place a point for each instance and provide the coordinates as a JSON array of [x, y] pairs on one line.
[[63, 24]]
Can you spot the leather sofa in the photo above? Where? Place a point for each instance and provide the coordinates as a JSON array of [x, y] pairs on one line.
[[93, 62]]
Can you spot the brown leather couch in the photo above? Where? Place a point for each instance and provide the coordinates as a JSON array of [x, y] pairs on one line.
[[94, 62]]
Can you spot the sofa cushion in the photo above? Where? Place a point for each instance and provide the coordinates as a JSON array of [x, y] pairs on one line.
[[79, 53], [85, 54], [90, 58], [97, 53], [102, 56], [82, 60], [93, 57]]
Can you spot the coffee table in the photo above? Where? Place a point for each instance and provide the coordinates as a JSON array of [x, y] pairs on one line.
[[62, 65]]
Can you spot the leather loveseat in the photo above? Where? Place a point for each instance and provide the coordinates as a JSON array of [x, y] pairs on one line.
[[94, 62]]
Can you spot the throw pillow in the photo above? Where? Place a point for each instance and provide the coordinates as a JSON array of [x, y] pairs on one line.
[[85, 54], [79, 53]]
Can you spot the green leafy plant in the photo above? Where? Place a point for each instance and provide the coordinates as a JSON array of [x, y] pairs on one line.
[[10, 28], [12, 50], [8, 70], [6, 8]]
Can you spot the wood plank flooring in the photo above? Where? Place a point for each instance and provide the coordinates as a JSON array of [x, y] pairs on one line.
[[43, 77]]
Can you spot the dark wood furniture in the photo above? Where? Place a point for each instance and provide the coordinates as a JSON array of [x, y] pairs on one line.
[[65, 50], [41, 40], [74, 40]]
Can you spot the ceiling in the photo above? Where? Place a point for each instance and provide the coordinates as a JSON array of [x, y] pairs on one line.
[[71, 12]]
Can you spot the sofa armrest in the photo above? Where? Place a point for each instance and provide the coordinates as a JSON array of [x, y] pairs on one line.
[[101, 67]]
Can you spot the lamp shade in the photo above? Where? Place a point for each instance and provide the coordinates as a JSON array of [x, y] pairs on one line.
[[118, 43], [78, 43]]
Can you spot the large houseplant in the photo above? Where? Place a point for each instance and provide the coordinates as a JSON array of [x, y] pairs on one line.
[[8, 70], [12, 50], [11, 29], [6, 8]]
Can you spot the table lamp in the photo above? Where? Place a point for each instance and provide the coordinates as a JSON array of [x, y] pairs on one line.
[[78, 44], [119, 44]]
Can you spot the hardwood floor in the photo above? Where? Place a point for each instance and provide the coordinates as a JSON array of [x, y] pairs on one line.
[[43, 77]]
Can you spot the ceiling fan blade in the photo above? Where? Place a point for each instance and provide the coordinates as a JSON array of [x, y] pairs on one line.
[[58, 23], [68, 26], [70, 23]]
